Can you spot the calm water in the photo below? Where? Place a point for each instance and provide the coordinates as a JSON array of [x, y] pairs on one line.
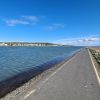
[[14, 60]]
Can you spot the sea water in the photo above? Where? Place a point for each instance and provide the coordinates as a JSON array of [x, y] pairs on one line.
[[15, 60]]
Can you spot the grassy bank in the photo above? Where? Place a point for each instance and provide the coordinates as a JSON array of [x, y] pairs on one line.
[[96, 54]]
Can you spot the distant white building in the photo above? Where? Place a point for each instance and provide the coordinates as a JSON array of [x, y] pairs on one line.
[[3, 44]]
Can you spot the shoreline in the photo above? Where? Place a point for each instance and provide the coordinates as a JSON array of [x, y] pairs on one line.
[[25, 82]]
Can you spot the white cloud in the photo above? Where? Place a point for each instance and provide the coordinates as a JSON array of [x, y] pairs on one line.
[[13, 22], [30, 18], [58, 25], [25, 20], [89, 39], [55, 26]]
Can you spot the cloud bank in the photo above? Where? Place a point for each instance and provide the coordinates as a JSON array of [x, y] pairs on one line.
[[80, 41]]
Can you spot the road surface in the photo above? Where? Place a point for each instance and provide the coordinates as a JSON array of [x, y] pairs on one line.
[[74, 80]]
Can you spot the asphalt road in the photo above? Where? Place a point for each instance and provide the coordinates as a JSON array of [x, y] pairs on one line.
[[75, 80]]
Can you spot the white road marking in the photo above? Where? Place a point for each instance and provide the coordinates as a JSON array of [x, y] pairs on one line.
[[31, 92], [54, 73], [97, 75]]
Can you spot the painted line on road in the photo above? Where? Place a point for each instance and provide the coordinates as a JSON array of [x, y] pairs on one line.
[[97, 75], [43, 82], [54, 73], [31, 92]]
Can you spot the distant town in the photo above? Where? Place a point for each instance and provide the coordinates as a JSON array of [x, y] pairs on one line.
[[28, 44]]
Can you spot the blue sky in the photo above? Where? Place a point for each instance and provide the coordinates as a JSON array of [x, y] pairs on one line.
[[73, 22]]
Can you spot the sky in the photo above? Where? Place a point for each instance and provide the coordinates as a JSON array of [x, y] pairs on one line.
[[72, 22]]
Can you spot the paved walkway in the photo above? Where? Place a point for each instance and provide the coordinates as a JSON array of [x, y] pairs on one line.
[[75, 80]]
